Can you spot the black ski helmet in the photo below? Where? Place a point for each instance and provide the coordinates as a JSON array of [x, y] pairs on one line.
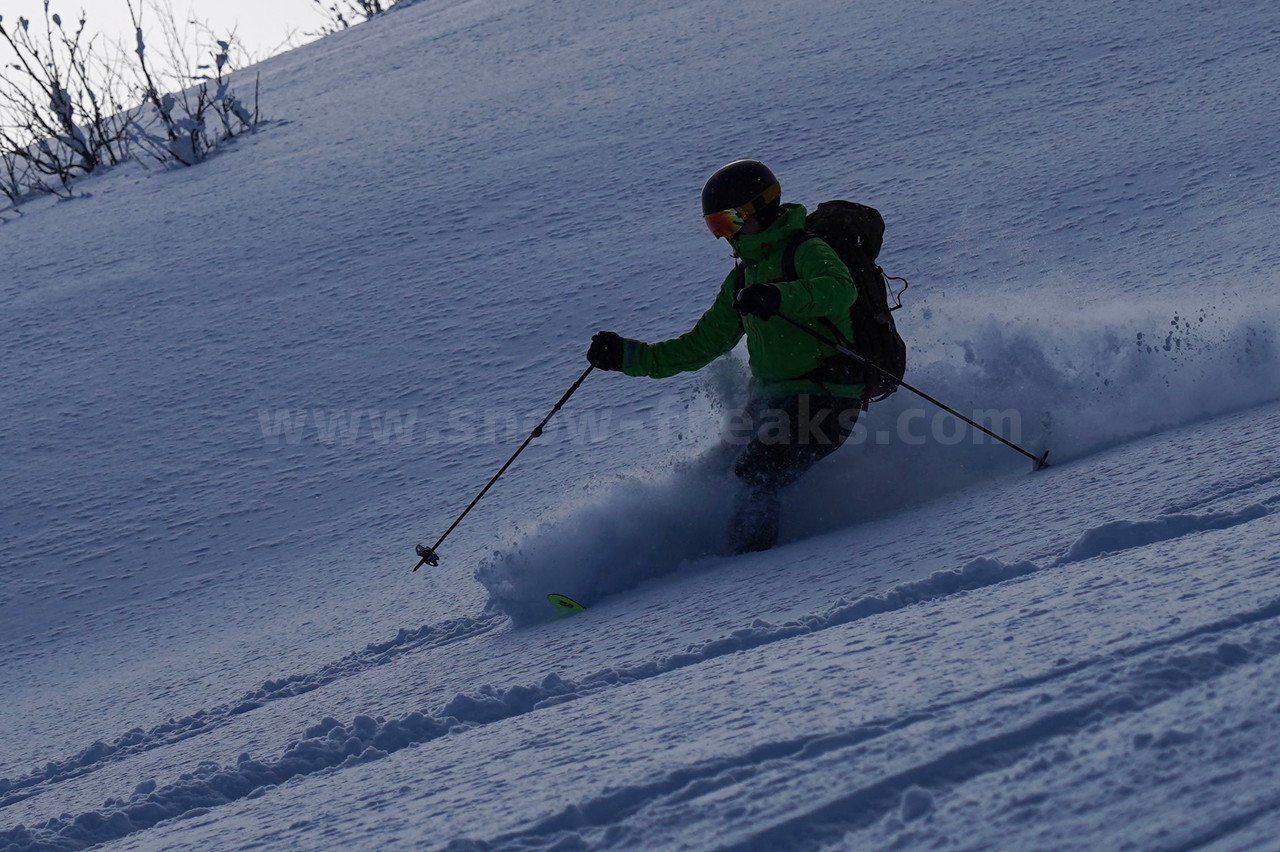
[[738, 184]]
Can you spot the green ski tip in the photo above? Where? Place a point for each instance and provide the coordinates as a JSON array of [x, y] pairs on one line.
[[568, 606]]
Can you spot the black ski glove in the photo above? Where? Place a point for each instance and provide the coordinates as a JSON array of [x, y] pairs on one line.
[[606, 351], [759, 300]]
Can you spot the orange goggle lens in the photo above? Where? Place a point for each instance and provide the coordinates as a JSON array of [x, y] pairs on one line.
[[726, 223]]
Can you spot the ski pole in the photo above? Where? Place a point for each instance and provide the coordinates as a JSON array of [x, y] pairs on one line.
[[428, 554], [1041, 461]]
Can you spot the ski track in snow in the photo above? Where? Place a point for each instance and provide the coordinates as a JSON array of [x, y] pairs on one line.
[[1136, 678], [138, 740], [331, 744]]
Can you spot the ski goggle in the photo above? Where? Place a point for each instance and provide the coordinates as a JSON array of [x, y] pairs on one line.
[[726, 223]]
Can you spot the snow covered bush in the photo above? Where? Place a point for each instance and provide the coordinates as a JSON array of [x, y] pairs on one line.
[[69, 108], [188, 122], [60, 109]]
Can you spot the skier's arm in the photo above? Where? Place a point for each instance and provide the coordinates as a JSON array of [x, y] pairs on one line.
[[823, 285], [718, 330]]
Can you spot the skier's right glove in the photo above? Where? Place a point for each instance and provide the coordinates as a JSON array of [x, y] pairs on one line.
[[606, 351], [759, 300]]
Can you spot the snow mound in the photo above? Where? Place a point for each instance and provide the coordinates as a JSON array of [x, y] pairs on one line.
[[1124, 535]]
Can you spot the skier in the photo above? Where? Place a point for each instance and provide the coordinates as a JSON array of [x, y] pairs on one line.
[[803, 405]]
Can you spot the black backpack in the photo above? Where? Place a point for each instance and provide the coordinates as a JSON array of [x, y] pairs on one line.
[[855, 232]]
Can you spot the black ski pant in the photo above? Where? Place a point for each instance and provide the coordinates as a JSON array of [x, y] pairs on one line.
[[784, 438]]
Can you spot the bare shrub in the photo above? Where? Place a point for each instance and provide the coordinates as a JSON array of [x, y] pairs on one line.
[[340, 14], [62, 100], [60, 111], [194, 111]]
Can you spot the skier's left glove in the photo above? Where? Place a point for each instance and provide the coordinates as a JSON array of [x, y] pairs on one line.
[[759, 300], [606, 351]]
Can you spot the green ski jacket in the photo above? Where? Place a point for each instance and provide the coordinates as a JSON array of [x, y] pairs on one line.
[[781, 356]]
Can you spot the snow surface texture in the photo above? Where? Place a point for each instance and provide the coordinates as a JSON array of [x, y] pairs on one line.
[[236, 396]]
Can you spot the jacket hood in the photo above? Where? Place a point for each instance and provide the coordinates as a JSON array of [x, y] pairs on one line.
[[753, 247]]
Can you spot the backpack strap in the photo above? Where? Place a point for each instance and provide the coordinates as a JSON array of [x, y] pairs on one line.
[[789, 274], [788, 261], [789, 253]]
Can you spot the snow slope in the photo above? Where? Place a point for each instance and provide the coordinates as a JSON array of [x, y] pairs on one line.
[[236, 396]]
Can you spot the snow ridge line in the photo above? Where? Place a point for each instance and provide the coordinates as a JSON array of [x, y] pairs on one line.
[[1156, 663], [138, 740], [332, 744], [1126, 535]]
